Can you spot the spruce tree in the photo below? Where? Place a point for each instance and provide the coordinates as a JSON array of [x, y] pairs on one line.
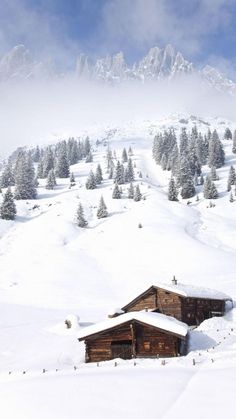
[[184, 143], [231, 178], [8, 207], [72, 179], [137, 194], [80, 219], [7, 178], [209, 189], [89, 158], [25, 178], [116, 192], [172, 190], [130, 171], [228, 134], [214, 175], [91, 181], [130, 151], [131, 191], [124, 157], [98, 175], [63, 170], [51, 180], [234, 143], [40, 173], [87, 146], [102, 209], [231, 198], [119, 174], [185, 179], [48, 161], [216, 155]]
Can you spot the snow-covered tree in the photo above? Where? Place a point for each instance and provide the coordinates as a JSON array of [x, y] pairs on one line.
[[116, 194], [231, 177], [40, 173], [231, 198], [87, 146], [8, 207], [172, 190], [234, 143], [7, 178], [102, 209], [51, 180], [119, 174], [80, 219], [214, 175], [228, 134], [185, 179], [137, 194], [72, 179], [131, 191], [216, 155], [48, 161], [89, 158], [91, 181], [209, 189], [25, 177], [98, 175], [183, 143], [124, 157], [63, 170]]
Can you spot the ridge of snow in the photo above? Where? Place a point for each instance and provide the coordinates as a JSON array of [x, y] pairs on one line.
[[158, 320], [187, 290]]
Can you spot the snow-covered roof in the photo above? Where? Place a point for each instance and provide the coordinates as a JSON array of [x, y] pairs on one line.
[[158, 320], [193, 291]]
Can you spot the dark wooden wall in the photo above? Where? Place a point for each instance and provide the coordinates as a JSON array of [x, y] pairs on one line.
[[148, 342], [189, 310]]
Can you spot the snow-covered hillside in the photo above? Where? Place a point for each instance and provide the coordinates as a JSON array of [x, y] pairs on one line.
[[50, 269]]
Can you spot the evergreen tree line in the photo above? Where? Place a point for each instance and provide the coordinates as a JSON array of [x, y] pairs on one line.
[[185, 160]]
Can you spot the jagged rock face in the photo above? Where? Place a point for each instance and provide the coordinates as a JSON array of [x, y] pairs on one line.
[[158, 64], [17, 64]]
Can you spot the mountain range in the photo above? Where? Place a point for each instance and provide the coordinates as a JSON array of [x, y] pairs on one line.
[[158, 64]]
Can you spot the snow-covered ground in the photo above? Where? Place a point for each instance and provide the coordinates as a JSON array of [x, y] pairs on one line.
[[49, 269]]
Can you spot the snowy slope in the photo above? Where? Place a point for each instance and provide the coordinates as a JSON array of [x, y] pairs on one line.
[[50, 268]]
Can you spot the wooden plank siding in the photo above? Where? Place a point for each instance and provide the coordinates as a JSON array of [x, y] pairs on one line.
[[145, 341], [189, 310]]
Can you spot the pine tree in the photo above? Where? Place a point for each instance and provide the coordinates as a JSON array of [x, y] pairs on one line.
[[184, 143], [116, 192], [87, 146], [185, 179], [80, 219], [89, 158], [234, 143], [130, 151], [119, 174], [72, 179], [129, 171], [8, 207], [48, 161], [231, 198], [25, 178], [91, 181], [7, 178], [63, 170], [40, 174], [102, 209], [111, 173], [124, 157], [216, 156], [51, 180], [98, 175], [36, 154], [196, 179], [201, 180], [172, 190], [209, 189], [72, 151], [214, 175], [231, 178], [228, 134], [131, 191], [137, 194]]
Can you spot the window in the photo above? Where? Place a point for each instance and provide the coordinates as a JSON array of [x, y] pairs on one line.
[[161, 345], [147, 346]]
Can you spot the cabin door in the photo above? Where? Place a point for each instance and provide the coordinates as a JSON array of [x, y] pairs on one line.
[[121, 349]]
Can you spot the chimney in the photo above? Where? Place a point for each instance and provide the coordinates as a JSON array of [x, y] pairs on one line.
[[174, 280]]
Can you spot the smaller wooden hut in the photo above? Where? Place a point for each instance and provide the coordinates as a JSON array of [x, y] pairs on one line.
[[136, 334]]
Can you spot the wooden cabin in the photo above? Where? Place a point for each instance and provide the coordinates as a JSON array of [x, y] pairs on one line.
[[187, 303], [136, 334]]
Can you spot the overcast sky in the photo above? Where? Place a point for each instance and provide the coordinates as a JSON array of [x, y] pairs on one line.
[[203, 30]]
